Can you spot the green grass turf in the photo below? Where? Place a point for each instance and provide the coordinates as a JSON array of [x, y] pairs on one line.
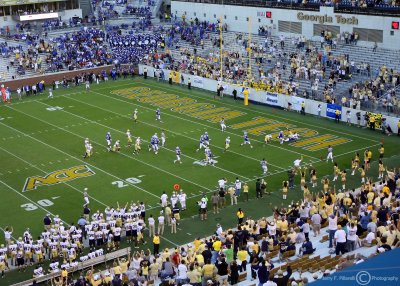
[[36, 142]]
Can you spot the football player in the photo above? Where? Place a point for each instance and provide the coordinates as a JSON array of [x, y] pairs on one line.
[[178, 155], [109, 141]]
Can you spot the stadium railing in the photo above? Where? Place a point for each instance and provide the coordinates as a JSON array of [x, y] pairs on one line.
[[82, 265]]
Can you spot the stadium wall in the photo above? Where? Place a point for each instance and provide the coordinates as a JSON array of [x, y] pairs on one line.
[[371, 29], [269, 98], [49, 78], [65, 15]]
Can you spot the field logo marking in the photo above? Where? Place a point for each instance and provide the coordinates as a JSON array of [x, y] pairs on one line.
[[54, 108], [57, 177]]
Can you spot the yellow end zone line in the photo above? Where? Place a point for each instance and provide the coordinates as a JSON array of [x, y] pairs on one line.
[[259, 112], [132, 102]]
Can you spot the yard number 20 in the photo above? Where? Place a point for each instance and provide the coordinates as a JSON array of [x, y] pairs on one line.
[[122, 184]]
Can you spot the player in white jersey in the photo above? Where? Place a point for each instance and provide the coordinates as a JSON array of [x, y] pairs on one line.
[[85, 197], [246, 140], [227, 143], [330, 154], [137, 146], [163, 138], [264, 166], [222, 124], [182, 199], [178, 155], [19, 92], [117, 146], [87, 85], [50, 93], [135, 115], [109, 141], [88, 148], [129, 137], [267, 138]]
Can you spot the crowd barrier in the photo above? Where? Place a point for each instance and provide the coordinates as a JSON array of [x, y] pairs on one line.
[[82, 265], [272, 99]]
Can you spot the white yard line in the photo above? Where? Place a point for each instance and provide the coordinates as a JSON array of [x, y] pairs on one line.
[[102, 145], [80, 160], [30, 164], [133, 102], [116, 130], [170, 131], [28, 199]]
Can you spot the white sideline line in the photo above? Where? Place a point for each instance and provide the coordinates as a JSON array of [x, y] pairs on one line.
[[172, 132], [271, 115], [80, 160], [111, 128]]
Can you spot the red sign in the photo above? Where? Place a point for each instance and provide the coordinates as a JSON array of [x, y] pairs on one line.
[[395, 25], [268, 14]]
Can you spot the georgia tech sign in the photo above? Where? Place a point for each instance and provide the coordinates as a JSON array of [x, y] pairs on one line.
[[322, 19], [57, 177]]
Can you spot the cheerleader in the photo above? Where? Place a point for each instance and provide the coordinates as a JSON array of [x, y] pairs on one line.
[[285, 187], [302, 179], [353, 167], [381, 169], [306, 194], [366, 160], [336, 171], [325, 183], [343, 179], [314, 178], [362, 174], [357, 159]]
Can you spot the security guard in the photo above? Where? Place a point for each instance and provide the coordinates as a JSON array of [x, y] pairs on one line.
[[170, 78], [145, 72], [398, 128], [337, 114], [372, 122], [189, 83]]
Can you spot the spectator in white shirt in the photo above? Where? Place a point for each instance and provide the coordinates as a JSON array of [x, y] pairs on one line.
[[332, 227], [367, 241], [340, 240]]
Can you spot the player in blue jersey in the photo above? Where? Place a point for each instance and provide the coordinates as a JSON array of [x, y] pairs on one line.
[[109, 141], [201, 144], [209, 156], [154, 144], [178, 155], [246, 140], [206, 139], [158, 114]]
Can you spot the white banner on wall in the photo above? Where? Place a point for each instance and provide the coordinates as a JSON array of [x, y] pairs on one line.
[[272, 99], [198, 82]]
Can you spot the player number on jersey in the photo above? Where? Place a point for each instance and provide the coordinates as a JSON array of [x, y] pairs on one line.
[[34, 206], [54, 108], [123, 184]]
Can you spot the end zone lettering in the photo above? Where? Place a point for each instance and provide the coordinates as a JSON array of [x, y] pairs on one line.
[[57, 177]]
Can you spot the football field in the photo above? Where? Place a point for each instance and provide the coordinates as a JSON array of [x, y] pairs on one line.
[[42, 147]]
